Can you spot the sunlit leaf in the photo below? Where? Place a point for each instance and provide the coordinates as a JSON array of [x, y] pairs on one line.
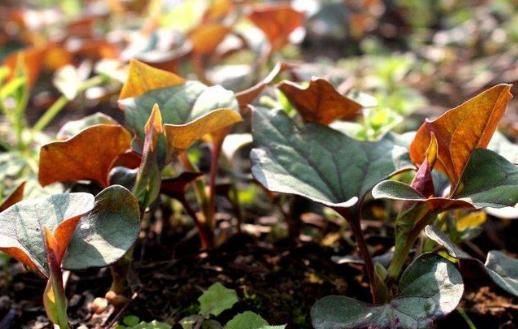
[[179, 104], [205, 38], [143, 78], [462, 130], [277, 21], [430, 287], [320, 102], [180, 137], [88, 155], [250, 320]]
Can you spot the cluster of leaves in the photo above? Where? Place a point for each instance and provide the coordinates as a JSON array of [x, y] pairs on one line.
[[453, 162]]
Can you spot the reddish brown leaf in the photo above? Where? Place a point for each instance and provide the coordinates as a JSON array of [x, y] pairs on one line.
[[423, 182], [320, 102], [461, 130], [277, 21], [247, 96], [88, 155], [14, 197], [175, 187]]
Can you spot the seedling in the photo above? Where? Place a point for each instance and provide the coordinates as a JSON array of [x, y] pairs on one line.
[[70, 230], [337, 171]]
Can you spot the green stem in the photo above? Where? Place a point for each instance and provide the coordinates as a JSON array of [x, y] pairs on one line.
[[60, 103], [408, 227], [60, 299]]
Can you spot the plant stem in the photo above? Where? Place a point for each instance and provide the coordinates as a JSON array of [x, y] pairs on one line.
[[60, 103], [408, 225], [214, 167], [354, 222]]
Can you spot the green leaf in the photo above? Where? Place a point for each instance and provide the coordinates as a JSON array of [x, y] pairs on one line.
[[317, 162], [430, 287], [250, 320], [21, 225], [179, 104], [503, 270], [104, 235], [216, 300], [489, 180]]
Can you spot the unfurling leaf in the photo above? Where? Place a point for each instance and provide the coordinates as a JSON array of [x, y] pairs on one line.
[[175, 187], [430, 287], [88, 155], [105, 234], [462, 130], [320, 102], [317, 162], [489, 180], [147, 185], [21, 227], [277, 21], [423, 180]]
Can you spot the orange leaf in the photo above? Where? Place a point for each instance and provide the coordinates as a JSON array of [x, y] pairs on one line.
[[88, 155], [143, 78], [277, 22], [461, 130], [181, 137], [31, 60], [217, 10], [247, 96], [320, 102], [206, 37], [14, 197]]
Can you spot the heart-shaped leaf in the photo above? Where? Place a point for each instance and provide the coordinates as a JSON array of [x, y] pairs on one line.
[[316, 161], [21, 226], [88, 155], [462, 130], [320, 102], [430, 287], [180, 102], [105, 234], [502, 269], [277, 21], [489, 180]]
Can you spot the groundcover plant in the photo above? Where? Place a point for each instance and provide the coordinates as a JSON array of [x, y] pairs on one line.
[[212, 177]]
